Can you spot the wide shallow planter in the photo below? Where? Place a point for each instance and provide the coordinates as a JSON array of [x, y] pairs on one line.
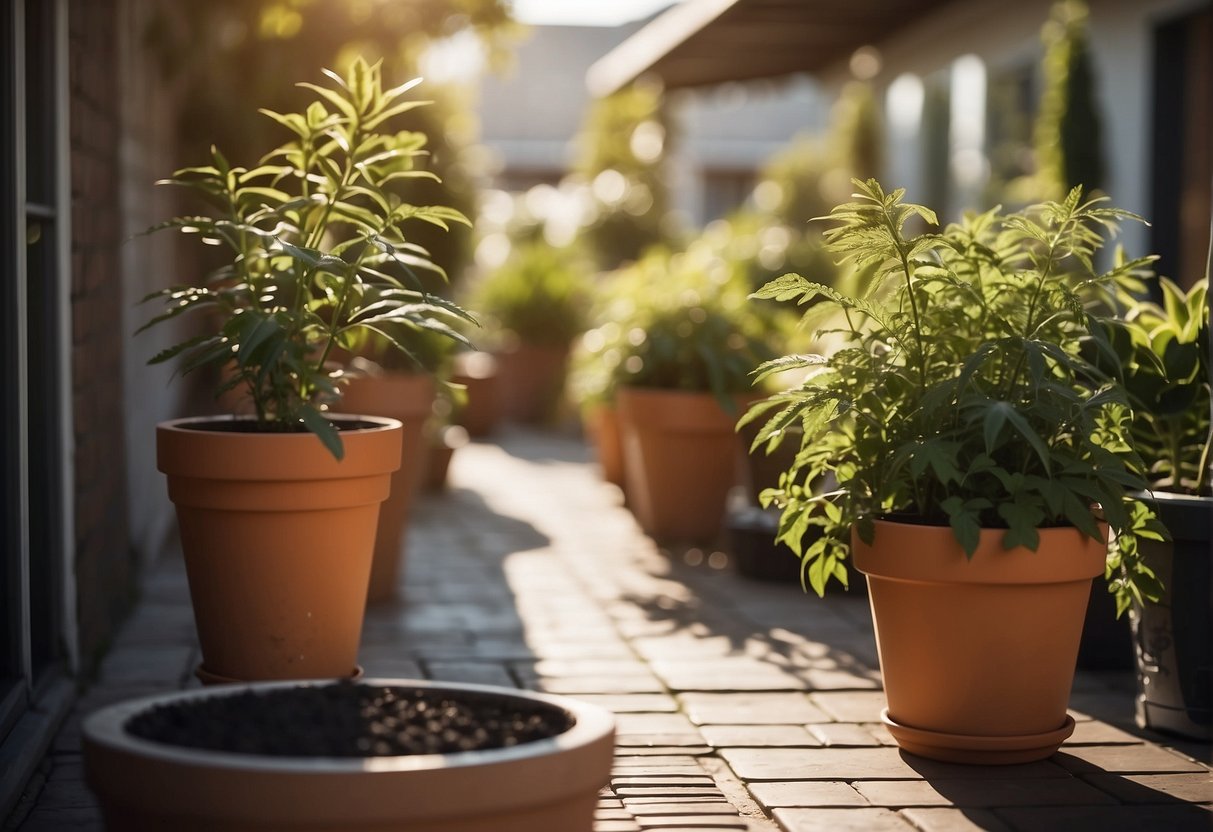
[[1174, 637], [537, 785], [681, 457], [530, 381], [978, 654], [409, 399], [278, 538]]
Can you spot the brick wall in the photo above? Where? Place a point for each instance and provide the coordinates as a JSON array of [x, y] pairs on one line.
[[104, 563]]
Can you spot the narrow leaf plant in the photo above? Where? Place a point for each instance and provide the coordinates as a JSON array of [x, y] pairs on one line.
[[319, 254], [967, 391]]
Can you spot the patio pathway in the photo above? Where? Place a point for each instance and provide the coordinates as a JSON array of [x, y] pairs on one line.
[[741, 705]]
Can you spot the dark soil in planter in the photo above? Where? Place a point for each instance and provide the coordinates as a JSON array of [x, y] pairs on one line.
[[250, 425], [349, 720]]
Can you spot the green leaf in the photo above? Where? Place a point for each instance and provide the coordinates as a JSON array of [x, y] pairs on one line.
[[1022, 521], [325, 431]]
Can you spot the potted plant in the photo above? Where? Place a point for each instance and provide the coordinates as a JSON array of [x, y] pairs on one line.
[[374, 755], [536, 302], [683, 376], [979, 461], [383, 381], [1165, 350], [277, 510]]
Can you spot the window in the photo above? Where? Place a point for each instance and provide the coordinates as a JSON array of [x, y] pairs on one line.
[[34, 514]]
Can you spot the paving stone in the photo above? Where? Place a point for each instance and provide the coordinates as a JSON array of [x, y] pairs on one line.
[[622, 703], [805, 793], [750, 708], [817, 763], [982, 793], [654, 724], [840, 679], [689, 822], [650, 779], [644, 809], [1155, 788], [63, 820], [858, 706], [726, 674], [841, 820], [767, 736], [1093, 732], [595, 684], [1124, 759], [616, 826], [1170, 818], [842, 734], [475, 673], [954, 820], [667, 791]]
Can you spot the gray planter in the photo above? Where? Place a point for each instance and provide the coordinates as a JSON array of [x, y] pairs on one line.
[[1174, 638]]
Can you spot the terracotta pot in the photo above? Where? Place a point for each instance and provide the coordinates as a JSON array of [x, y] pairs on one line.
[[477, 372], [530, 381], [409, 399], [681, 457], [602, 426], [440, 450], [549, 784], [1174, 637], [978, 655], [278, 538]]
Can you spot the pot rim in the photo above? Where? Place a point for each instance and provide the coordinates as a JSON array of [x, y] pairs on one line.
[[107, 728], [187, 423]]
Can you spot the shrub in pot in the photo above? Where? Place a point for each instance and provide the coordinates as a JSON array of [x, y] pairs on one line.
[[536, 302], [384, 381], [375, 755], [980, 460], [1165, 353], [277, 510], [683, 376]]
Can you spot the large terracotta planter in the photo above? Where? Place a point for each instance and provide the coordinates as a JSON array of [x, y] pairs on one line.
[[277, 537], [409, 399], [549, 785], [681, 457], [978, 655], [530, 381], [602, 425], [1174, 637]]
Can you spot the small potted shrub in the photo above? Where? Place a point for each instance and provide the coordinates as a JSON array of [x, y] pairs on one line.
[[536, 301], [278, 510], [979, 459], [384, 381], [374, 755], [1165, 349], [690, 345]]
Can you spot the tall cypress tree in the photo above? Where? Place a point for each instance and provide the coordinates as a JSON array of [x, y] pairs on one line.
[[1069, 148]]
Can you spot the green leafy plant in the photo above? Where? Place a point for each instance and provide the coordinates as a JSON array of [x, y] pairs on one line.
[[681, 322], [540, 294], [1165, 354], [319, 253], [960, 396]]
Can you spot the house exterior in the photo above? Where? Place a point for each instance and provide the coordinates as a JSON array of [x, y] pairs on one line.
[[1151, 66], [531, 114], [84, 133]]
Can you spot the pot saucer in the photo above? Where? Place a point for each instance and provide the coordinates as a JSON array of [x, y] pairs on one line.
[[979, 750], [208, 678]]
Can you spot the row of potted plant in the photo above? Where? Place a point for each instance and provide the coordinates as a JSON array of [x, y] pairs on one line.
[[279, 512]]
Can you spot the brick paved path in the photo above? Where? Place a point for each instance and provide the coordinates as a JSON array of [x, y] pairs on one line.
[[741, 705]]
